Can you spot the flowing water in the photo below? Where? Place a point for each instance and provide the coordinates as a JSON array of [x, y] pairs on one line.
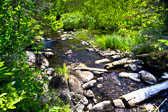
[[113, 87]]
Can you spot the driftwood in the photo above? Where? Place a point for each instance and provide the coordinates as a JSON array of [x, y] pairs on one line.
[[140, 95], [91, 69], [120, 62], [152, 54]]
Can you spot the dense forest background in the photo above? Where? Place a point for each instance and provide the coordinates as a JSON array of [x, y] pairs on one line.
[[140, 26]]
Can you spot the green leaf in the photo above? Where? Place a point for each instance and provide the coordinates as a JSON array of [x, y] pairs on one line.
[[3, 94], [8, 74]]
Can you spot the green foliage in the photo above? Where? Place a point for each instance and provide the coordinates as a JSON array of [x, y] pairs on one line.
[[60, 107], [77, 20], [19, 25], [63, 71]]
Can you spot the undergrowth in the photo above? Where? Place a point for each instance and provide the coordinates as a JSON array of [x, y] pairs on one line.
[[63, 71]]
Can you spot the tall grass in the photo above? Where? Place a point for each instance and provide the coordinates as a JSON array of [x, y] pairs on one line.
[[113, 41]]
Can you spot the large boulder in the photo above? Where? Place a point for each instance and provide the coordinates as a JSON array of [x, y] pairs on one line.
[[59, 83], [74, 85]]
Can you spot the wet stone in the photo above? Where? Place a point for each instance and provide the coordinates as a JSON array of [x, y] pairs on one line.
[[148, 77], [74, 84], [84, 101], [79, 107], [100, 79], [99, 85], [119, 103], [50, 71], [76, 97], [83, 76], [101, 105], [89, 84], [89, 107], [89, 93]]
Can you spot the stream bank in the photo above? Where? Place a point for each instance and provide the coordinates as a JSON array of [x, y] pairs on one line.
[[91, 90]]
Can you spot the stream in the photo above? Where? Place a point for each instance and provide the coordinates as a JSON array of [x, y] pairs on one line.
[[113, 87]]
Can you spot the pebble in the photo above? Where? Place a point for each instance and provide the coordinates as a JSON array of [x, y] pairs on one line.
[[99, 85]]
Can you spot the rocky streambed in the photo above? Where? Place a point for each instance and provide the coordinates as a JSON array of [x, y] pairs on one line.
[[102, 81]]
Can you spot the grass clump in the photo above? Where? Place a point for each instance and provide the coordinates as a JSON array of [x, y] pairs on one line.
[[112, 41], [63, 71], [83, 35]]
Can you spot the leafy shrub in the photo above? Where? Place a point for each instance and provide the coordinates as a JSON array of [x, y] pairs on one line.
[[77, 20]]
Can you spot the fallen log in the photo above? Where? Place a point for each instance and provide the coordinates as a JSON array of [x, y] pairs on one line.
[[152, 54], [91, 69], [140, 95], [120, 62]]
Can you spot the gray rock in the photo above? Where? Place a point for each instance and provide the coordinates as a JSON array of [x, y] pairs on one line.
[[133, 76], [118, 103], [89, 107], [31, 58], [74, 84], [100, 79], [84, 76], [148, 77], [45, 87], [50, 71], [84, 101], [89, 84], [47, 49], [79, 107], [90, 49], [89, 93], [99, 85], [108, 52], [68, 52], [76, 98], [133, 67], [100, 106], [102, 61], [63, 38], [44, 62], [165, 76], [59, 83], [48, 54], [118, 56], [94, 100]]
